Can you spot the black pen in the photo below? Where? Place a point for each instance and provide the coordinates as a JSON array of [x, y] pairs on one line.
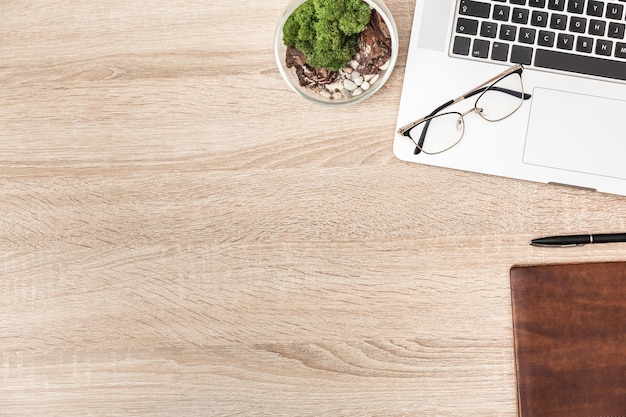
[[578, 240]]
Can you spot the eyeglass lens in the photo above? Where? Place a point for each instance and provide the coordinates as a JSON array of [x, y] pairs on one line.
[[443, 131]]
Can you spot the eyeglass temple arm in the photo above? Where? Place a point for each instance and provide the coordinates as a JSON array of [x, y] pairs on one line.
[[420, 142], [405, 129], [514, 69], [516, 94]]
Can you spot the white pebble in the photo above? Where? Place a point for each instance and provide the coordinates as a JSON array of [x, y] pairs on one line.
[[325, 94], [354, 64], [358, 80], [337, 95], [349, 85], [368, 77], [357, 92], [334, 86], [385, 66], [355, 75], [374, 79], [365, 85]]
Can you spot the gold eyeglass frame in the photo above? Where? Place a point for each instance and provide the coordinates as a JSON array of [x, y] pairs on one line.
[[482, 89]]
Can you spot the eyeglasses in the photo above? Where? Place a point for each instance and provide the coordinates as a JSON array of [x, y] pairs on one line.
[[499, 98]]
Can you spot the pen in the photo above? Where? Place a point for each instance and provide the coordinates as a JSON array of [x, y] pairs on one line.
[[578, 240]]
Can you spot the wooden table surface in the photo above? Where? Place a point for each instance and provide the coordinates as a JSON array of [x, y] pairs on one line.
[[182, 235]]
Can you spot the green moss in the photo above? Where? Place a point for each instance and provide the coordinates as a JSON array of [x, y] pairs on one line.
[[327, 31]]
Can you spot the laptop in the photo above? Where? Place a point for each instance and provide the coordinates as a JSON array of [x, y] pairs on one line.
[[570, 126]]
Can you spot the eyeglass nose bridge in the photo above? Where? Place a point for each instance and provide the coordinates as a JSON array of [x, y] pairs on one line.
[[477, 110], [461, 121], [460, 124]]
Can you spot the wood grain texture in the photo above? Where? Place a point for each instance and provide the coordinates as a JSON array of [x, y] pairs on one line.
[[180, 234]]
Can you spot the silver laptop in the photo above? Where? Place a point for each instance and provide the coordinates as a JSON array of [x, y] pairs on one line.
[[527, 89]]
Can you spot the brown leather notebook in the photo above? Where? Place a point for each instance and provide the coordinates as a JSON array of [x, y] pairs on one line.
[[569, 325]]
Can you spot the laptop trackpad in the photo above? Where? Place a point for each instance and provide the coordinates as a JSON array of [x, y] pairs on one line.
[[577, 132]]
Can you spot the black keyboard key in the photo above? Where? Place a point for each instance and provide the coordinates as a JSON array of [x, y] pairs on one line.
[[475, 9], [467, 26], [527, 35], [595, 8], [501, 13], [521, 55], [539, 19], [578, 25], [576, 6], [558, 5], [520, 2], [565, 41], [597, 27], [520, 16], [581, 64], [558, 22], [480, 48], [546, 38], [500, 51], [620, 50], [537, 3], [616, 30], [584, 44], [462, 46], [508, 32], [488, 30], [604, 47], [615, 11]]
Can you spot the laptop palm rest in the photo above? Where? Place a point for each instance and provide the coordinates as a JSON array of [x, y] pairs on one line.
[[576, 132]]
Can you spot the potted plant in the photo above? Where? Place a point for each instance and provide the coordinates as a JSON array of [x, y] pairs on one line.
[[340, 51]]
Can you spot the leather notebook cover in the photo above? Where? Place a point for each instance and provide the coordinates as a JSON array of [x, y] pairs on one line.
[[569, 326]]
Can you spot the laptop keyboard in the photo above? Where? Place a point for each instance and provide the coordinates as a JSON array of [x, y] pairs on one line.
[[576, 36]]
